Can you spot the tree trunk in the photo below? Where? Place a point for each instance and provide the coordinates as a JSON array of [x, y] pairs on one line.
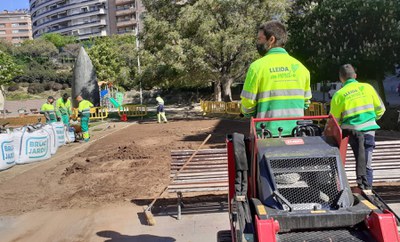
[[217, 90], [226, 89]]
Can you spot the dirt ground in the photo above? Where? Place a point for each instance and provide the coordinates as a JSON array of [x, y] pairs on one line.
[[129, 164]]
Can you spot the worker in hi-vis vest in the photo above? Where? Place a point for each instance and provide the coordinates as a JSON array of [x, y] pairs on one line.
[[356, 107], [160, 110], [84, 112], [277, 85], [48, 110], [63, 108]]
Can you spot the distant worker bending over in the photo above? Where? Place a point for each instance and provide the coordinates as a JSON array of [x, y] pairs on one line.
[[276, 85], [48, 110], [356, 107], [160, 110], [63, 108], [84, 113]]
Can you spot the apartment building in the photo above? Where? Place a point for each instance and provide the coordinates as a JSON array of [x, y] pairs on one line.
[[124, 16], [85, 18], [81, 18], [15, 26]]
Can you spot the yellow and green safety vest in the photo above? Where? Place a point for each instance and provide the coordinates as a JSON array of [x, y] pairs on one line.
[[49, 113], [357, 106], [63, 108], [276, 85], [84, 107]]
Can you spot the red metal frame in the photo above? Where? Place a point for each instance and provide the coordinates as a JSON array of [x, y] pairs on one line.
[[266, 229], [383, 226]]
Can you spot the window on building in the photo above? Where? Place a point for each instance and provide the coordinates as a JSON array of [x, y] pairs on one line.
[[2, 25], [14, 25], [15, 31], [2, 32]]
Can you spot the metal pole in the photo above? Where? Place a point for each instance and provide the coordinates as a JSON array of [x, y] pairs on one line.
[[137, 49]]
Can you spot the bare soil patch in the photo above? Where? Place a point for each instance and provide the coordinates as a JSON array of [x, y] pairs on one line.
[[129, 164]]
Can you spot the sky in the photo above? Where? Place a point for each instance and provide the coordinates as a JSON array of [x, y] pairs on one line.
[[11, 5]]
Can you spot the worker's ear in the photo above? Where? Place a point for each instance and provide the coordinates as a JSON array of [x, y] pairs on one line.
[[355, 76]]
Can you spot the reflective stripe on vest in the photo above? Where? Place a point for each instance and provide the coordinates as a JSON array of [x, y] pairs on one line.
[[290, 112], [357, 109], [359, 126]]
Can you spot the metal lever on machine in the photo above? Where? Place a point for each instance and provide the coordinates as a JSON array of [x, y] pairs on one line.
[[262, 125], [280, 129]]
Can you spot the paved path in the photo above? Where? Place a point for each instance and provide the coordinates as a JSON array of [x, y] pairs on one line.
[[115, 223]]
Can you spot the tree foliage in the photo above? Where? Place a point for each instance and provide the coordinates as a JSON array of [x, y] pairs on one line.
[[328, 33], [114, 59], [8, 68], [59, 40], [36, 49], [203, 41]]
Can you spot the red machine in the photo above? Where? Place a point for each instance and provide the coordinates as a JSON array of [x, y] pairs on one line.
[[295, 188]]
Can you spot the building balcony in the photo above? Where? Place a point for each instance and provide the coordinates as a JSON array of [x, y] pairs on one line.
[[65, 8], [68, 18], [126, 23], [124, 12], [123, 2], [66, 29]]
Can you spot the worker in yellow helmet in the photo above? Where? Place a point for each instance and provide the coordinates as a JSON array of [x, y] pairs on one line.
[[84, 112], [276, 85], [63, 108], [356, 107], [160, 110], [48, 110]]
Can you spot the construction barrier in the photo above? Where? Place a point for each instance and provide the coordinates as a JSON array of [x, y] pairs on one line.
[[315, 109], [95, 113], [98, 113], [132, 110], [233, 107], [213, 107]]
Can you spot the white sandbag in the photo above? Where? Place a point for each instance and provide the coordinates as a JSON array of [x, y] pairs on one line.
[[33, 145], [59, 128], [7, 159], [69, 134], [49, 129]]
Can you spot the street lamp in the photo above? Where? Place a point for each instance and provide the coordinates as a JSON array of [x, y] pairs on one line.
[[137, 50]]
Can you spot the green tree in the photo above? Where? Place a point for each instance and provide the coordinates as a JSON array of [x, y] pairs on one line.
[[114, 59], [328, 33], [8, 68], [59, 40], [38, 49], [205, 41]]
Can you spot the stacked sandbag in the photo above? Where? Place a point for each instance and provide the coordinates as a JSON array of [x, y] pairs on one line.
[[59, 129], [69, 134], [31, 144], [7, 159], [53, 137]]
